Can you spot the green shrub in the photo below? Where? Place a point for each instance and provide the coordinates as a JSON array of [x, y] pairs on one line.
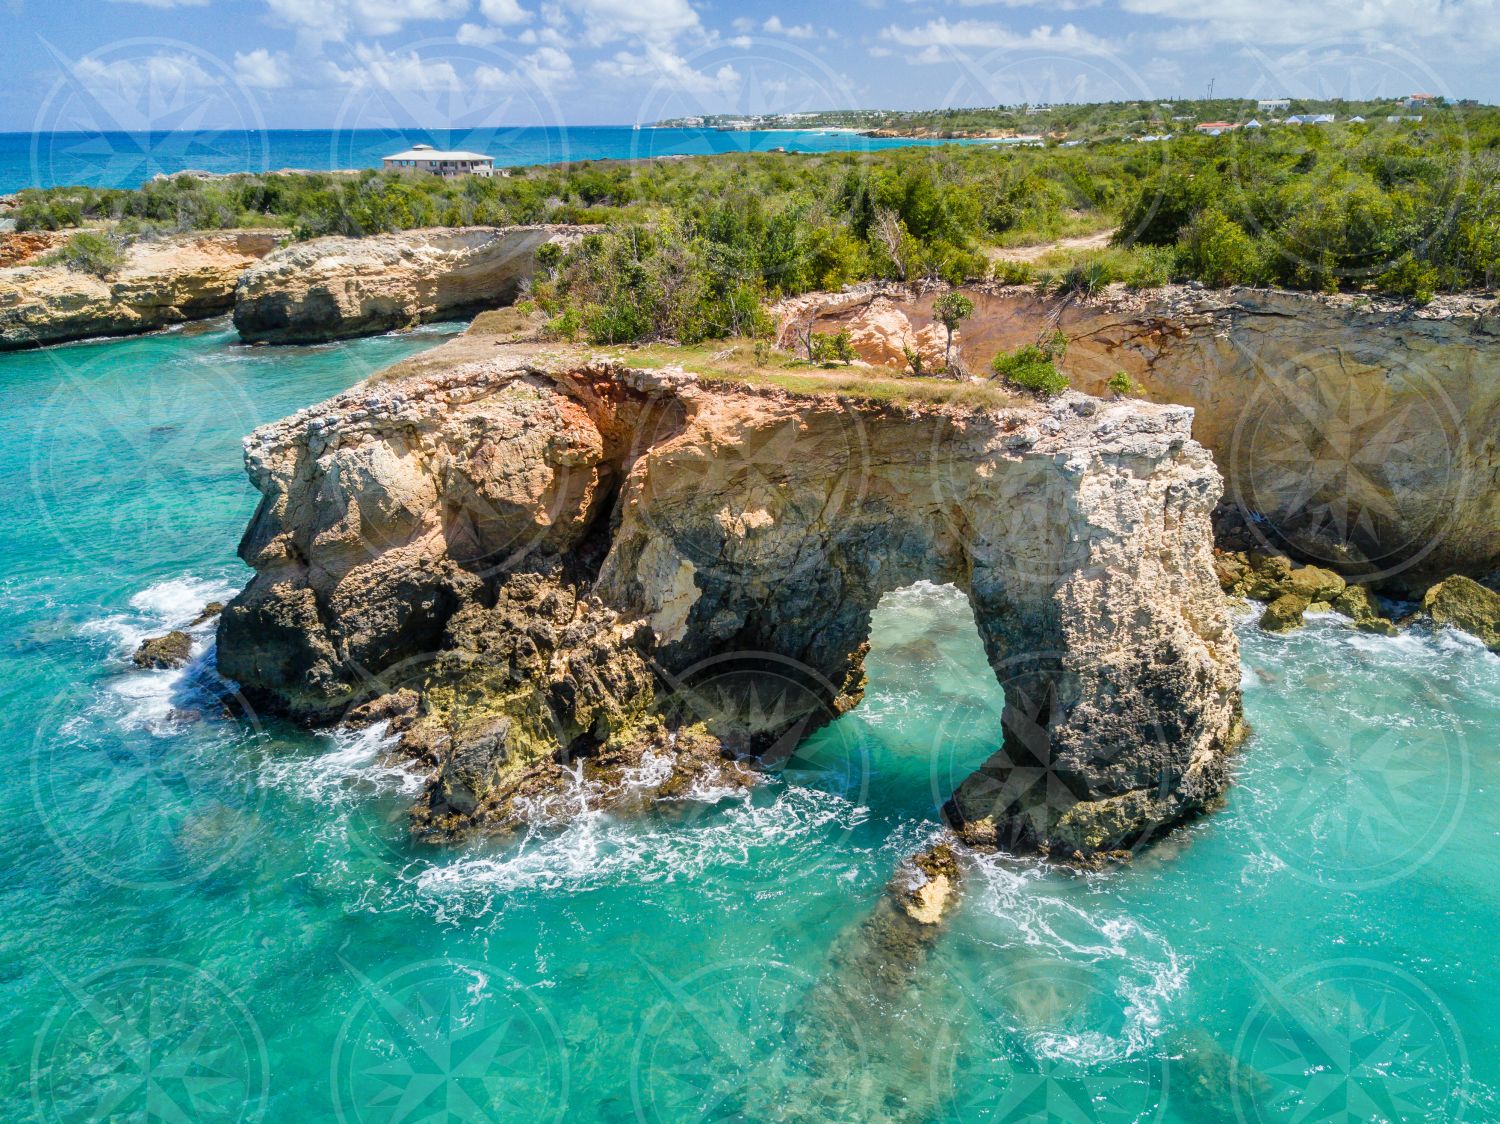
[[830, 349], [1410, 278], [1123, 385], [88, 252], [1014, 272], [1031, 368], [1217, 251]]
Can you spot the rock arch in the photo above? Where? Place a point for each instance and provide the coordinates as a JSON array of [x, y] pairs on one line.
[[667, 522]]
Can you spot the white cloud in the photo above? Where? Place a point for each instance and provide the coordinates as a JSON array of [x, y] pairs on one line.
[[318, 20], [649, 21], [130, 79], [941, 39], [669, 68], [262, 70], [1461, 23], [774, 26], [547, 68], [503, 13], [400, 73]]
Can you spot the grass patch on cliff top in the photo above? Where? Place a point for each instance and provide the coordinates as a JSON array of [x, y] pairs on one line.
[[737, 361]]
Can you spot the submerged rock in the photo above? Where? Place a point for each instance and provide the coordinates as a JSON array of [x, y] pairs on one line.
[[1462, 603], [603, 582], [1291, 591], [172, 650]]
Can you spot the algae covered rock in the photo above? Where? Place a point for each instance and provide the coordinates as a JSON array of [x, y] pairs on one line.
[[1285, 613], [1356, 603], [1313, 583], [1462, 603], [171, 650]]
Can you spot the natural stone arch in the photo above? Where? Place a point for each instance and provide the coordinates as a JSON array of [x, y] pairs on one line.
[[1118, 662], [662, 523]]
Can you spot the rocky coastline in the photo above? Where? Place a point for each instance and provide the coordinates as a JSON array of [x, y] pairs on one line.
[[163, 282], [566, 583]]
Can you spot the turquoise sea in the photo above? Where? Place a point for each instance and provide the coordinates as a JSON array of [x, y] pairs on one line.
[[210, 919], [119, 159]]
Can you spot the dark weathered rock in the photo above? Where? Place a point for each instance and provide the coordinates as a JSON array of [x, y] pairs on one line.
[[172, 650], [208, 613]]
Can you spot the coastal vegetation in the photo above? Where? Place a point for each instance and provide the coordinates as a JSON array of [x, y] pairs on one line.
[[692, 249]]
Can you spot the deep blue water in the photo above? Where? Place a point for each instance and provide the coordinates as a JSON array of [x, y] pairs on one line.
[[114, 159], [206, 919]]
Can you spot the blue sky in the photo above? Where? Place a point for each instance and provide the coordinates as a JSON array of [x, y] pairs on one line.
[[462, 63]]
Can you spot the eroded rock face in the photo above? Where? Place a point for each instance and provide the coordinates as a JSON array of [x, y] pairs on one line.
[[164, 282], [1354, 433], [336, 288], [633, 573]]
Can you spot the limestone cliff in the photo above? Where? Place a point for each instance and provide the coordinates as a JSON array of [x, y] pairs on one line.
[[642, 575], [335, 288], [1355, 433], [164, 282]]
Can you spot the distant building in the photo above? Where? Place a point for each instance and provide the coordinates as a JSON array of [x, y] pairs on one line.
[[1274, 105], [1310, 119], [1356, 120], [425, 158], [1253, 124], [1421, 101], [1215, 128], [1399, 118]]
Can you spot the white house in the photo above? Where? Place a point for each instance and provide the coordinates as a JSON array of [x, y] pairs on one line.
[[1274, 105], [1310, 119], [439, 162]]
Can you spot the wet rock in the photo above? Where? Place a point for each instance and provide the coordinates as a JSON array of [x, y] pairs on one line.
[[1462, 603], [172, 650], [208, 613], [1356, 603], [1284, 614]]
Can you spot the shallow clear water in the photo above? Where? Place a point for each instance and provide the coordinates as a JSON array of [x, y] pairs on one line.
[[206, 920]]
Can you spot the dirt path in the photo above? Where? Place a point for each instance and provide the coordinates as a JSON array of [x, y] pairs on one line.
[[1032, 253]]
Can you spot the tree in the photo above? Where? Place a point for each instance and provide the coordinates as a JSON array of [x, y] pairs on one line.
[[950, 310]]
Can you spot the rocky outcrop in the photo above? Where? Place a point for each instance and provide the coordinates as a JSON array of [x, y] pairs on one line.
[[1291, 591], [1354, 433], [172, 650], [163, 282], [1465, 605], [602, 582], [335, 288]]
